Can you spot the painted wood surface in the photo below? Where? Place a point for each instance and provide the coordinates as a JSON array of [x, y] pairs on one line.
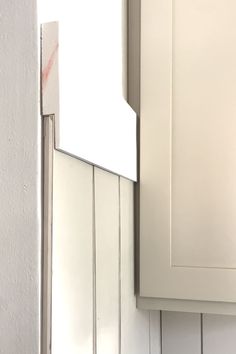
[[135, 330], [219, 334], [72, 261], [181, 333], [94, 268], [94, 305], [106, 206], [187, 195]]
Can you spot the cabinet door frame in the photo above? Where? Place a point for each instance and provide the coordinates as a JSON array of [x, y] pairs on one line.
[[161, 285]]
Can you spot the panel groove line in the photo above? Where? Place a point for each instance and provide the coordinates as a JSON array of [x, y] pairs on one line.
[[201, 333], [94, 271], [119, 268], [161, 332]]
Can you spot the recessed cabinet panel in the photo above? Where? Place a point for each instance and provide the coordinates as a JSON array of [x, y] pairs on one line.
[[203, 139], [188, 150]]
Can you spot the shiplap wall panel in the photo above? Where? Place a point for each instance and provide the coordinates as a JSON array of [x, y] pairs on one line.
[[155, 334], [72, 281], [181, 333], [120, 327], [134, 323], [107, 261], [219, 334]]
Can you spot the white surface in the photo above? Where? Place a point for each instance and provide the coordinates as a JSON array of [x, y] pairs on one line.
[[107, 261], [181, 333], [187, 192], [118, 326], [20, 147], [72, 261], [96, 123], [140, 330]]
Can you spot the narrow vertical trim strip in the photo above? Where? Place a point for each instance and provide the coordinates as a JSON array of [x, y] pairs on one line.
[[201, 324], [171, 124], [150, 337], [119, 259], [94, 265], [47, 241], [161, 339]]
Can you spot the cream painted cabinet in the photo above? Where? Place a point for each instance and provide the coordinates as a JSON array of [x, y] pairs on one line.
[[188, 155]]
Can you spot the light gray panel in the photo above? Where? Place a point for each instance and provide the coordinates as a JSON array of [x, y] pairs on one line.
[[107, 261], [72, 260], [219, 334], [155, 332], [134, 322], [181, 333]]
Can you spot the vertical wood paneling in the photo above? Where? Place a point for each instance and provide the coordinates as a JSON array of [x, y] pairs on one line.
[[107, 262], [134, 323], [181, 333], [120, 327], [219, 334], [155, 334], [72, 286]]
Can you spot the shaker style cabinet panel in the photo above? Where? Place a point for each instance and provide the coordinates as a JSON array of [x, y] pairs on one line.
[[188, 153]]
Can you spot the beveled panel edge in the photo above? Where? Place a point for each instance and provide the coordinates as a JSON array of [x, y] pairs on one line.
[[178, 305]]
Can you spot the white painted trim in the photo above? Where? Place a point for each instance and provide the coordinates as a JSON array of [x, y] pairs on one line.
[[144, 303]]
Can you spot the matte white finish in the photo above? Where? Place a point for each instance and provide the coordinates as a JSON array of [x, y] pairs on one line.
[[20, 147], [187, 173], [135, 326], [93, 54], [148, 303], [72, 261], [106, 188], [181, 333], [93, 302], [140, 330], [203, 134], [219, 333], [155, 335]]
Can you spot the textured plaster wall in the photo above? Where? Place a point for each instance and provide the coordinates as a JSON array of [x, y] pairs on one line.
[[20, 223]]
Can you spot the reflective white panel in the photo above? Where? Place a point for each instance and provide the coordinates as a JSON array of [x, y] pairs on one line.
[[96, 123]]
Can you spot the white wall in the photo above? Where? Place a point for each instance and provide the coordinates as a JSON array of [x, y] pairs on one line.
[[19, 179]]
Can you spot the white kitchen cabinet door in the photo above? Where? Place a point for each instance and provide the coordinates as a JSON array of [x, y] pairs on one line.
[[188, 152]]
